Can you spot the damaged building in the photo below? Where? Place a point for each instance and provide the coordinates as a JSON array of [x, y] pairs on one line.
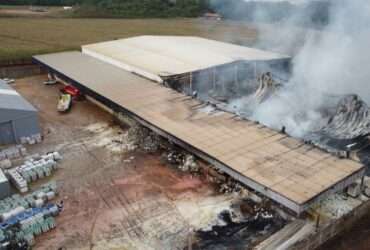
[[210, 69], [127, 76]]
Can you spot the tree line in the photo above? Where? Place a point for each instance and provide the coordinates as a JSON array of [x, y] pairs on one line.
[[125, 8], [313, 13]]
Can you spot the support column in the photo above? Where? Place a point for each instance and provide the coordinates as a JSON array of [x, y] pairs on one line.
[[214, 78], [191, 83], [236, 80]]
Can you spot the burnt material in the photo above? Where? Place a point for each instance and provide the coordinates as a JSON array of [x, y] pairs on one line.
[[257, 221], [347, 129]]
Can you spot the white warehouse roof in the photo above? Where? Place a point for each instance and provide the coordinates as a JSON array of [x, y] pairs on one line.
[[155, 56]]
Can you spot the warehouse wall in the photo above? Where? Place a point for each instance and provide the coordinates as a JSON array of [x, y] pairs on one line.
[[6, 133], [10, 115], [228, 81], [26, 126], [12, 130]]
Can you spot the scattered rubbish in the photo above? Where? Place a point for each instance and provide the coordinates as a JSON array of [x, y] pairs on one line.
[[366, 187], [238, 226], [181, 159], [144, 138], [111, 137], [354, 190], [337, 205], [367, 191]]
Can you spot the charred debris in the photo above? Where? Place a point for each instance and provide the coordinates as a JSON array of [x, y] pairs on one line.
[[344, 125]]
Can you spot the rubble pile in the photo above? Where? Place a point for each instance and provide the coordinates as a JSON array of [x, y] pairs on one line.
[[110, 137], [238, 226], [144, 139], [347, 129], [226, 184], [181, 159], [231, 186], [337, 205], [366, 190]]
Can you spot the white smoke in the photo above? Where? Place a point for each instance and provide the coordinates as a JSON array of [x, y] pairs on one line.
[[332, 61]]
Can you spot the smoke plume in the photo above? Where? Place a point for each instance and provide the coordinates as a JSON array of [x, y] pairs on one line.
[[333, 60]]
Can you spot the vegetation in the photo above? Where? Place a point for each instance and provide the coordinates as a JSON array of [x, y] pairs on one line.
[[312, 13], [125, 8], [23, 37], [41, 2]]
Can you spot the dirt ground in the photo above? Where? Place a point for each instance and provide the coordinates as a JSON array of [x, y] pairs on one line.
[[24, 37], [357, 237], [114, 198]]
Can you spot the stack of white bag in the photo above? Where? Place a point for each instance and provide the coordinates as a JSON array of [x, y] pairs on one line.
[[8, 154], [33, 169]]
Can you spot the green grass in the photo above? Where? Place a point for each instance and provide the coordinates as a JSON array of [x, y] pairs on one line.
[[20, 38]]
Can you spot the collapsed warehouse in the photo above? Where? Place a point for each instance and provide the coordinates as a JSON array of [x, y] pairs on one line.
[[119, 76]]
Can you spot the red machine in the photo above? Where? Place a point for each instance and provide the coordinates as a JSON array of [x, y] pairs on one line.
[[73, 91]]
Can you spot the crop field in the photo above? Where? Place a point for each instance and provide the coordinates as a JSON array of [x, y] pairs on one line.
[[20, 38]]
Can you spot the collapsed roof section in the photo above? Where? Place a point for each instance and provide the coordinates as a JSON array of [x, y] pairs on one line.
[[155, 57]]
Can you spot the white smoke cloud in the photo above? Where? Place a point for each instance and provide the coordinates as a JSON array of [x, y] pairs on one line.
[[290, 1], [332, 61]]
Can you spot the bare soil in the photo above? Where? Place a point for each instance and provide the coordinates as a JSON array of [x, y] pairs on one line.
[[127, 200], [357, 237]]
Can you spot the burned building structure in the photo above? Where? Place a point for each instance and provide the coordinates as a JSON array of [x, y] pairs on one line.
[[209, 69], [127, 76]]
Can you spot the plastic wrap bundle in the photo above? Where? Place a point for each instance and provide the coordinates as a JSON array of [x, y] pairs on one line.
[[33, 169], [10, 205], [13, 152], [6, 216], [33, 139], [17, 179], [29, 223]]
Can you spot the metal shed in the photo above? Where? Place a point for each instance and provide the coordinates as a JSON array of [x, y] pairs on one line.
[[18, 118], [4, 185]]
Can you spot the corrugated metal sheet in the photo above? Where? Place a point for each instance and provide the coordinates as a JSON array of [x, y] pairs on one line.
[[282, 168], [153, 56]]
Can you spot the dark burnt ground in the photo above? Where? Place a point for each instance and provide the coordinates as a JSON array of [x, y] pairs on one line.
[[358, 238], [254, 224]]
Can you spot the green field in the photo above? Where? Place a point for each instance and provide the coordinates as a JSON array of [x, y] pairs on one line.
[[20, 38]]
